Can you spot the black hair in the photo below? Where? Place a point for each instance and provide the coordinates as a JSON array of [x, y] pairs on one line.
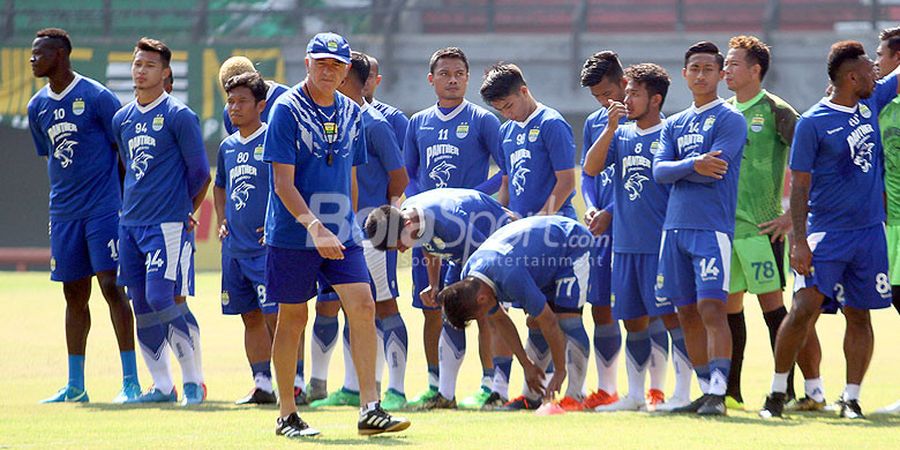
[[704, 47], [459, 302], [58, 36], [154, 45], [600, 66], [250, 80], [359, 66], [447, 52], [892, 36], [501, 80], [843, 52], [653, 77], [383, 227]]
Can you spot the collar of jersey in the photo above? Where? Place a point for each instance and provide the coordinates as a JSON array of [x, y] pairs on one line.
[[485, 279], [642, 132], [449, 116], [539, 109], [151, 105], [844, 109], [364, 106], [743, 106], [718, 101], [271, 90], [254, 135], [57, 97]]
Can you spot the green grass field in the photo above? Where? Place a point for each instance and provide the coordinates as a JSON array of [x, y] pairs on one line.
[[32, 352]]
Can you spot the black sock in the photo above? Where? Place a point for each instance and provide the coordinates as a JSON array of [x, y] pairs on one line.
[[738, 342], [773, 320], [895, 292]]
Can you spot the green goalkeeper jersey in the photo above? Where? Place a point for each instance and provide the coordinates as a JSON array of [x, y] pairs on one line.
[[889, 121], [770, 130]]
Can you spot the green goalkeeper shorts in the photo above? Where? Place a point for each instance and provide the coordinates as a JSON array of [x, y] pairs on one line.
[[757, 265]]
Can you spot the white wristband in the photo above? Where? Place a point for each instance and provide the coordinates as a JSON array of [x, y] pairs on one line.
[[309, 225]]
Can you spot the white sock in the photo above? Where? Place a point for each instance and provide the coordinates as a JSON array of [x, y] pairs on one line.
[[379, 356], [365, 408], [198, 360], [450, 360], [718, 384], [320, 352], [658, 367], [183, 347], [851, 392], [704, 386], [542, 361], [351, 381], [263, 382], [396, 362], [637, 377], [159, 367], [607, 372], [779, 382], [577, 358], [815, 389], [500, 384]]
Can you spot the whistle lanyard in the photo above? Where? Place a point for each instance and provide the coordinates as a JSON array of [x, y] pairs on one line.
[[330, 126]]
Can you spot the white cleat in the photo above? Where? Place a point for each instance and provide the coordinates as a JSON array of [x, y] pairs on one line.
[[626, 403], [890, 409], [672, 403]]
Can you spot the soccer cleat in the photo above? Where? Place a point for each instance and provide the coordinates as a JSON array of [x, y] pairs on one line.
[[774, 406], [300, 396], [193, 394], [733, 403], [477, 400], [850, 409], [713, 406], [378, 421], [257, 397], [154, 395], [571, 404], [521, 403], [294, 427], [494, 402], [438, 402], [316, 390], [890, 409], [68, 394], [600, 398], [692, 407], [130, 390], [670, 404], [342, 397], [550, 409], [806, 404], [626, 403], [203, 385], [423, 397], [393, 400], [655, 398]]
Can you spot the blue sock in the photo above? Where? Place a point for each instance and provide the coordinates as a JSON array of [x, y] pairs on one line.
[[718, 375], [637, 347], [188, 315], [76, 371], [129, 366], [299, 380], [578, 352], [659, 335], [537, 338], [503, 367], [457, 338], [263, 368], [607, 340], [678, 344]]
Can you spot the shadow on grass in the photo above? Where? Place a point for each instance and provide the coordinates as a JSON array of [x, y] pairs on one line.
[[387, 441], [206, 406]]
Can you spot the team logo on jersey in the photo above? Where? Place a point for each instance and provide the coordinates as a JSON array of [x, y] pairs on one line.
[[52, 264], [533, 134], [862, 145], [518, 180], [660, 281], [708, 123], [139, 164], [78, 106], [462, 130], [441, 174], [654, 148], [240, 194], [520, 139], [158, 122], [226, 299], [634, 185], [332, 45], [757, 123], [258, 152], [438, 243], [864, 111], [64, 152]]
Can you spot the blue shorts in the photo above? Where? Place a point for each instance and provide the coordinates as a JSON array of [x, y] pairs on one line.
[[633, 280], [291, 274], [574, 284], [693, 264], [83, 247], [850, 268], [420, 277], [601, 268], [382, 276], [244, 286], [156, 252]]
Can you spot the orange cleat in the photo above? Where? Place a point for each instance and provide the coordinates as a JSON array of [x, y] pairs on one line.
[[570, 404], [655, 397], [600, 398], [550, 409]]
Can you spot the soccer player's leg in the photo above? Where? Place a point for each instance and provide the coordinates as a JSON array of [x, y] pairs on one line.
[[350, 279], [662, 314], [567, 299], [432, 328], [893, 240], [383, 268], [102, 236], [485, 353], [325, 337], [290, 281], [240, 297], [607, 335], [184, 287], [502, 362], [70, 264]]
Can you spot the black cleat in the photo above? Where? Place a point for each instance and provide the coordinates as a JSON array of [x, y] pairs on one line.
[[378, 421], [692, 407], [493, 402], [299, 396], [521, 403], [774, 406], [850, 409], [713, 406], [257, 397], [437, 402], [294, 427]]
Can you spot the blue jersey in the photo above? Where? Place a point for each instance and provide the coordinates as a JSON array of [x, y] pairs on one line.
[[383, 157], [597, 191], [241, 172], [165, 160], [295, 136], [697, 202], [275, 91], [524, 259], [450, 150], [457, 221], [533, 151], [395, 117], [841, 147], [640, 203], [73, 129]]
